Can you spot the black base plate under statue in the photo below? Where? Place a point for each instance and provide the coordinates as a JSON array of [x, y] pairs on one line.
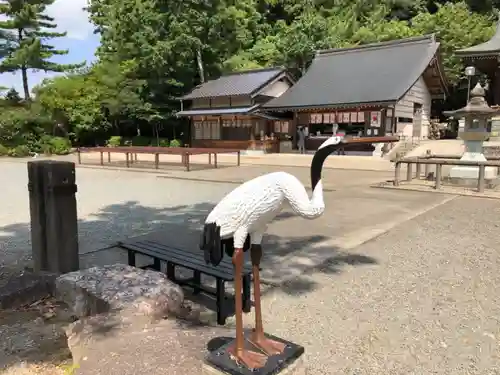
[[222, 360]]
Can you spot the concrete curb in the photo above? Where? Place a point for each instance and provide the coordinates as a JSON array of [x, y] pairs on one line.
[[221, 181], [443, 192]]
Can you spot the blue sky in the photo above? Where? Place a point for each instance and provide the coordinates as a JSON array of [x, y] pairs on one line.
[[80, 41]]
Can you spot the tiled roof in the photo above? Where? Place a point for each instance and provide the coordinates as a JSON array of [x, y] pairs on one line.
[[240, 83], [371, 74]]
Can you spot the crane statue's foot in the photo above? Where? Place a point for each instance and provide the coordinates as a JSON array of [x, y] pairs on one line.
[[250, 359], [268, 346]]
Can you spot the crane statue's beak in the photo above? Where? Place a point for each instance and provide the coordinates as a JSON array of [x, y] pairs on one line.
[[332, 141]]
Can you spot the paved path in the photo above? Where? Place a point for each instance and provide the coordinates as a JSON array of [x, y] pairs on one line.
[[428, 303], [350, 162], [333, 179], [418, 299], [115, 205], [111, 206]]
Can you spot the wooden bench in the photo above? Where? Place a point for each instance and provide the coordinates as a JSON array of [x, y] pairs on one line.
[[131, 152], [174, 257]]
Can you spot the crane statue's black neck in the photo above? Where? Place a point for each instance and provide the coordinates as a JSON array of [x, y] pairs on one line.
[[328, 147]]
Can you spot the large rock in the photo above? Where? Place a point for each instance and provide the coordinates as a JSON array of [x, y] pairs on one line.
[[121, 288]]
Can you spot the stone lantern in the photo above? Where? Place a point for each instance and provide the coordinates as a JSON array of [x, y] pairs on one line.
[[476, 115]]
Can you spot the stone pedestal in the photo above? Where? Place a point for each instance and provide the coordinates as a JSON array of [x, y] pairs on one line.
[[473, 152], [461, 127], [296, 368], [253, 152], [378, 149], [220, 360]]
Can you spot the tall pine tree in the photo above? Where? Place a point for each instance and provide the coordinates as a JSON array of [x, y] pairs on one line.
[[26, 33]]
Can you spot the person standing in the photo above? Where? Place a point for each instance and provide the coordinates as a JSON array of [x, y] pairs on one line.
[[301, 140]]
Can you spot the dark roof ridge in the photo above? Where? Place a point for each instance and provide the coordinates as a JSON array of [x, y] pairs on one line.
[[250, 71], [245, 82], [369, 74], [419, 70], [431, 38]]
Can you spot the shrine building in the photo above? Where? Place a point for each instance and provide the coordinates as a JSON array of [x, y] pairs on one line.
[[370, 90], [485, 57], [224, 112]]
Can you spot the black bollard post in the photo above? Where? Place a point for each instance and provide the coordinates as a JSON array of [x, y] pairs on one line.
[[54, 227]]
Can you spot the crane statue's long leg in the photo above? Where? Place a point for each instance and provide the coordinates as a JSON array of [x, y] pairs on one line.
[[250, 359], [258, 338]]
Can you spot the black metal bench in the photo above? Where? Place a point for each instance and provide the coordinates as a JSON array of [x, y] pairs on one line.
[[174, 257]]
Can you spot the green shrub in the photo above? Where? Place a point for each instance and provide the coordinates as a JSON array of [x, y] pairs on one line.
[[60, 145], [175, 143], [51, 145], [164, 142], [4, 151], [114, 141], [19, 151], [141, 141]]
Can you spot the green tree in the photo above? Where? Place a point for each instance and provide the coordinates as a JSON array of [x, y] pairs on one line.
[[12, 97], [321, 25], [75, 102], [26, 31], [456, 27], [96, 99], [176, 45]]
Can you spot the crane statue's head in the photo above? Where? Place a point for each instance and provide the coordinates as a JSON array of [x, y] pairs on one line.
[[328, 147]]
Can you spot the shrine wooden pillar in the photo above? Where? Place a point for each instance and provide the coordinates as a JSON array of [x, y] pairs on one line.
[[54, 227], [495, 87]]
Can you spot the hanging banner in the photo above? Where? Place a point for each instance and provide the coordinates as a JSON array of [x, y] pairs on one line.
[[284, 126], [361, 117], [375, 119]]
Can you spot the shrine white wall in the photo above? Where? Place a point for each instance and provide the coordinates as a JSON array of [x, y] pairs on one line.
[[419, 93]]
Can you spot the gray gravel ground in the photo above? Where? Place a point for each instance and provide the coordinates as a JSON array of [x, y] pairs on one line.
[[429, 306]]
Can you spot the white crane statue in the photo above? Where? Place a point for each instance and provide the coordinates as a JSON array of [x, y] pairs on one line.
[[240, 220], [238, 223]]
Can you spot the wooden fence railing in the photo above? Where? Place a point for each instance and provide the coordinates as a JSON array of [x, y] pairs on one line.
[[439, 161]]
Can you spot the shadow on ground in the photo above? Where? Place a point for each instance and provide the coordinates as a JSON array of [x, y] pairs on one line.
[[177, 226]]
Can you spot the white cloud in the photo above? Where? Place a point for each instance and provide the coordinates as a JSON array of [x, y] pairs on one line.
[[70, 17]]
